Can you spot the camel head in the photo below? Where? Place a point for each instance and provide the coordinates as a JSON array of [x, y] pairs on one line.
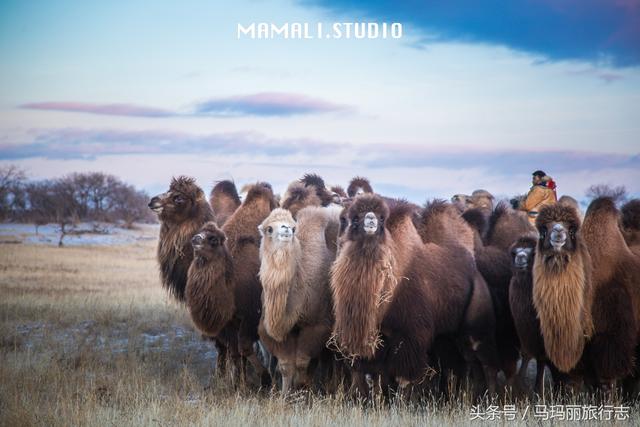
[[208, 242], [337, 194], [364, 221], [461, 201], [522, 253], [278, 228], [558, 227], [181, 202], [478, 199], [482, 199]]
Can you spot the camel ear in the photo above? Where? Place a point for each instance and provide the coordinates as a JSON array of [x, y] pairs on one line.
[[261, 230]]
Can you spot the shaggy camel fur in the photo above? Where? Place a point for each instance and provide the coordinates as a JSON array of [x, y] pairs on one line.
[[224, 201], [210, 289], [616, 289], [393, 295], [359, 185], [296, 301], [524, 313], [182, 210], [562, 291], [440, 223]]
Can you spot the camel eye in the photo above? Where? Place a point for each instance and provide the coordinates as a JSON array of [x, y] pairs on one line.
[[293, 230], [178, 199], [269, 229], [213, 240]]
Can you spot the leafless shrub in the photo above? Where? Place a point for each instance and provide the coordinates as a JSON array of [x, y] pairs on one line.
[[618, 193]]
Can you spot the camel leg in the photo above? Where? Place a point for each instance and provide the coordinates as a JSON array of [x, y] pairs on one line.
[[221, 359], [522, 372], [287, 371], [309, 345], [248, 352], [265, 376], [490, 375], [540, 377]]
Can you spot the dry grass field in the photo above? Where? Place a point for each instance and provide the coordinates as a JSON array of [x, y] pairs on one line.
[[88, 337]]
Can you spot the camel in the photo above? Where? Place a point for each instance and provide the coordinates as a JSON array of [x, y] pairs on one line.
[[393, 295], [236, 340], [297, 313], [524, 313], [616, 295], [562, 289]]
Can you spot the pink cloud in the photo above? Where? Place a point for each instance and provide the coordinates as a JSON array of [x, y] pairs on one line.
[[265, 104], [130, 110]]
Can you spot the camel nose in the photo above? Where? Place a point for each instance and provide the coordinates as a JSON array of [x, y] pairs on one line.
[[197, 240], [370, 223], [154, 202], [521, 259], [285, 232]]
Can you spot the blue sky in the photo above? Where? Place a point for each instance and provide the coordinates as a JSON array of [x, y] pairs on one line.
[[475, 95]]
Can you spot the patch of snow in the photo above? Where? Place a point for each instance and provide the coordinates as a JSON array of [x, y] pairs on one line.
[[84, 234]]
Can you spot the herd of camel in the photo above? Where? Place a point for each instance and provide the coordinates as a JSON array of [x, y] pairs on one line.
[[384, 295]]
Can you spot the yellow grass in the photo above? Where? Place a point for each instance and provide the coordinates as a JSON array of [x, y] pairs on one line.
[[88, 337]]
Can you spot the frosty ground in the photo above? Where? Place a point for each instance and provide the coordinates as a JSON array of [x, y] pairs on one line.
[[88, 337]]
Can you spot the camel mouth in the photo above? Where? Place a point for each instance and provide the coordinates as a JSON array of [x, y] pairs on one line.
[[521, 264], [370, 223], [155, 205], [285, 237], [285, 234], [558, 236], [558, 242]]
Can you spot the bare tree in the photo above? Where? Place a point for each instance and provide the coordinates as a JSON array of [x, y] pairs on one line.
[[41, 204], [93, 196], [618, 193], [128, 205], [12, 191], [65, 205]]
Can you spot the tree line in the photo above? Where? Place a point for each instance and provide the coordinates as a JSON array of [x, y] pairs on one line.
[[74, 198]]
